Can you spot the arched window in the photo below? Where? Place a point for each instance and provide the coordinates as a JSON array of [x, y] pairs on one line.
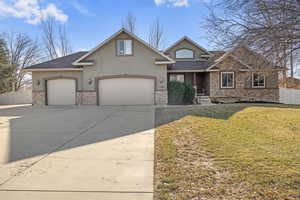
[[184, 53]]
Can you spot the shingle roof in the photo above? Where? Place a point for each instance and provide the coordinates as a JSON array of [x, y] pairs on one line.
[[190, 65], [61, 62]]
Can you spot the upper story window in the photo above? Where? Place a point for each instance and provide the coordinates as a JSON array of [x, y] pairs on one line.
[[227, 79], [258, 80], [124, 47], [184, 53]]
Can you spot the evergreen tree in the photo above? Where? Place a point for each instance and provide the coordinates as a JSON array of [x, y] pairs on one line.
[[6, 70], [3, 54]]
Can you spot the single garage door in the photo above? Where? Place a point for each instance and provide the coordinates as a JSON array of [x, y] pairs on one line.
[[61, 92], [126, 91]]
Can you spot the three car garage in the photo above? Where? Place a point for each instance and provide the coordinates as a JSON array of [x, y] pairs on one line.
[[110, 91], [121, 70]]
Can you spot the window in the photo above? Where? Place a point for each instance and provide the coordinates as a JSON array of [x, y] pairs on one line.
[[227, 79], [184, 53], [124, 47], [177, 77], [258, 80]]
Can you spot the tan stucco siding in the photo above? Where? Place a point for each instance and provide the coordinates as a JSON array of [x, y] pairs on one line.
[[42, 76], [140, 63], [185, 45]]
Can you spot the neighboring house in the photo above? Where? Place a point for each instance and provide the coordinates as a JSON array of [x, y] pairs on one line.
[[125, 70]]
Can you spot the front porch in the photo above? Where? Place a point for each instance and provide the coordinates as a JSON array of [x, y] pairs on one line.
[[199, 80]]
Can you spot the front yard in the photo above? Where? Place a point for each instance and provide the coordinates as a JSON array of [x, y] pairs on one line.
[[239, 151]]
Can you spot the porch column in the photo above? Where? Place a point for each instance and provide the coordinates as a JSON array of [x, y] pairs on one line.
[[195, 82]]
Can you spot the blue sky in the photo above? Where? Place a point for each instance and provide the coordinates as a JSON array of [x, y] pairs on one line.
[[88, 22]]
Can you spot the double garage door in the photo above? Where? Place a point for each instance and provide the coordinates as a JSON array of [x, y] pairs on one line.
[[115, 91]]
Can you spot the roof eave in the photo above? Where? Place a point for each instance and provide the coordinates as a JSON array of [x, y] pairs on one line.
[[164, 62], [213, 70], [115, 35], [191, 41], [184, 70], [227, 54], [52, 69], [83, 63]]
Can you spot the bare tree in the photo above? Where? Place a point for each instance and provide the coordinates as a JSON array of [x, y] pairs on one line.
[[55, 39], [22, 51], [49, 39], [64, 46], [129, 23], [156, 34], [271, 27]]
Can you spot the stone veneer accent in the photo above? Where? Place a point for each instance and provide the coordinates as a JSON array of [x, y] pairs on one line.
[[38, 98], [161, 97], [243, 90], [90, 98], [87, 98]]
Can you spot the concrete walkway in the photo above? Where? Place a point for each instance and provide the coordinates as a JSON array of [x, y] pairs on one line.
[[63, 153]]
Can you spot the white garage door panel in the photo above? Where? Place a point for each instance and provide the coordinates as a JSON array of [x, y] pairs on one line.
[[61, 92], [126, 91]]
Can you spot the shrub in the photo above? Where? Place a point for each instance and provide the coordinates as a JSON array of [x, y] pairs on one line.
[[189, 94], [175, 92], [180, 93]]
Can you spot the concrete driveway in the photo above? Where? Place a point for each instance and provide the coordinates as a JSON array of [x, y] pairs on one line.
[[85, 152]]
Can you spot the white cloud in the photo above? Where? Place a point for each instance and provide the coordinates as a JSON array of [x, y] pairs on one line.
[[31, 11], [81, 8], [173, 3]]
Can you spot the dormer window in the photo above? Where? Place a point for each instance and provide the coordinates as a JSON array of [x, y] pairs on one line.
[[124, 47], [184, 53]]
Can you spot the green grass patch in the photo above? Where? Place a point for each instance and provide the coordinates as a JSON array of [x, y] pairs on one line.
[[240, 151]]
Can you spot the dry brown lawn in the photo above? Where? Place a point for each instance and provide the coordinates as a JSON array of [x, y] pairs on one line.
[[239, 151]]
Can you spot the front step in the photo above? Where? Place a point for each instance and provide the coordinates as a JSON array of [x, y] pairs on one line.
[[203, 100]]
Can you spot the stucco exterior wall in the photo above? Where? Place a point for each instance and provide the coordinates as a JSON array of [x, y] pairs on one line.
[[109, 64], [185, 45], [243, 90], [38, 78]]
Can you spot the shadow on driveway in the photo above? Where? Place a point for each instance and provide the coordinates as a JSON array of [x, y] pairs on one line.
[[33, 131]]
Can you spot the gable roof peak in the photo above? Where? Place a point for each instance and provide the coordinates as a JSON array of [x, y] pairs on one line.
[[190, 41], [123, 30]]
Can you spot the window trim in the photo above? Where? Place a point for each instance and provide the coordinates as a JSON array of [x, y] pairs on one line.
[[117, 54], [264, 86], [176, 75], [221, 78], [185, 49]]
